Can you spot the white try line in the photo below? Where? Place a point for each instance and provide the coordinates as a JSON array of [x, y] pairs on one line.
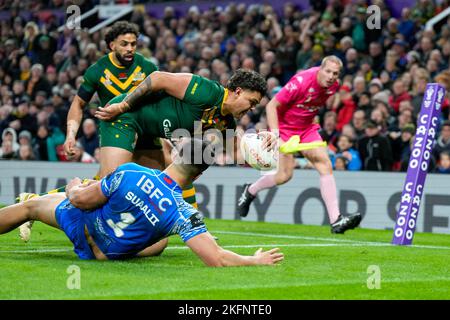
[[282, 236]]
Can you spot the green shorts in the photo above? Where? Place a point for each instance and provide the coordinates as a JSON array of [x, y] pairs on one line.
[[125, 133]]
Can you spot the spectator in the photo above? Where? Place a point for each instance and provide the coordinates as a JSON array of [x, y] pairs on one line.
[[25, 153], [40, 145], [359, 123], [90, 139], [349, 131], [376, 54], [25, 138], [401, 146], [37, 82], [81, 155], [328, 130], [346, 151], [44, 48], [9, 134], [340, 163], [443, 140], [399, 94], [6, 151], [19, 94], [375, 150], [444, 162], [344, 106]]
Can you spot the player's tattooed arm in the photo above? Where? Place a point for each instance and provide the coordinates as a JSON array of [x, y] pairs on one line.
[[145, 87], [174, 84]]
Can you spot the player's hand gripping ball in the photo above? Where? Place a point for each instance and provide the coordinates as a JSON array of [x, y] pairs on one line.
[[253, 153]]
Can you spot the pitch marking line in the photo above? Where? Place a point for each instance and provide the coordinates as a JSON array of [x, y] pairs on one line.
[[281, 236], [279, 245], [185, 247]]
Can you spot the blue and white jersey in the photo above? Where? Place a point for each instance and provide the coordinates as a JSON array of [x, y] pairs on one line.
[[144, 205]]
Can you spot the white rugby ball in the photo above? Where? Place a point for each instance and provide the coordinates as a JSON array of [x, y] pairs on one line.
[[255, 156]]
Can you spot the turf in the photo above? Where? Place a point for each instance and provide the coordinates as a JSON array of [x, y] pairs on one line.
[[317, 265]]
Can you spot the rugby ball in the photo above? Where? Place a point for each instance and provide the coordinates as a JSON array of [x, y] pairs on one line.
[[254, 155]]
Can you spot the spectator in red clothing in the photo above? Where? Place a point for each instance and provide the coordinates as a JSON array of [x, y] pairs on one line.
[[399, 94], [344, 106]]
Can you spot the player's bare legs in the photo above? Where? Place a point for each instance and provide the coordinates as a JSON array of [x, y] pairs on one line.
[[153, 158], [321, 161], [111, 158], [285, 170], [39, 208]]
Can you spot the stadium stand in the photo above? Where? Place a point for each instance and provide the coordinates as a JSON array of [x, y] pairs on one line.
[[383, 82]]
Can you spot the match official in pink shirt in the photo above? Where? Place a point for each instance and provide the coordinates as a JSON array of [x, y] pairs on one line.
[[292, 112]]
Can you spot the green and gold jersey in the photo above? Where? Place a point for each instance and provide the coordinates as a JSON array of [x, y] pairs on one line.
[[110, 80], [202, 103], [159, 115]]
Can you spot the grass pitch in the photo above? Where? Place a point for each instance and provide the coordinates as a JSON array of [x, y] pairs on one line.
[[317, 265]]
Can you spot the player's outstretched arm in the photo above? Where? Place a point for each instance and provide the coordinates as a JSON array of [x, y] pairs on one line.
[[85, 196], [174, 84], [206, 248]]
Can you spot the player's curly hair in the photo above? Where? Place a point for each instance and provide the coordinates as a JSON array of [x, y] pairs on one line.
[[119, 28], [247, 80]]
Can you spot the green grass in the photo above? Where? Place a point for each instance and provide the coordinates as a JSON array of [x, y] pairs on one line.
[[317, 265]]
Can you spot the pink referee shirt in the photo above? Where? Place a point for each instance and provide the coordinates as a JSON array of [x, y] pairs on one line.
[[300, 100]]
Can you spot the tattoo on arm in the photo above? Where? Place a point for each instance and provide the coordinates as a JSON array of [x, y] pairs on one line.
[[144, 88]]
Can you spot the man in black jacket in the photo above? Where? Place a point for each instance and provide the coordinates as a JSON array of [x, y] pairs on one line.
[[375, 149]]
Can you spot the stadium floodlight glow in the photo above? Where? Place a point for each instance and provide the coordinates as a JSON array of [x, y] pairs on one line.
[[427, 123]]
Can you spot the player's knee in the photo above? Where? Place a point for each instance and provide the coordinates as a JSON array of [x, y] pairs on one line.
[[31, 208], [284, 176], [325, 165]]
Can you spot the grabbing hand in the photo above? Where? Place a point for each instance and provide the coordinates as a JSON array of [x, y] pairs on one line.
[[272, 256], [110, 112], [73, 183], [270, 140]]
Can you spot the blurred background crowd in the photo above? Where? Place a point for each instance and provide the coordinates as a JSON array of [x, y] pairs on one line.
[[369, 124]]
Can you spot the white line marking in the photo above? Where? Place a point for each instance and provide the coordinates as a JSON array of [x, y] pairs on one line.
[[281, 236], [337, 243], [35, 250], [229, 247]]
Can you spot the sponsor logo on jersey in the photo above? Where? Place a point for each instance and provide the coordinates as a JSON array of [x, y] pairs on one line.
[[299, 79], [167, 128], [138, 78], [309, 108], [291, 87], [108, 81]]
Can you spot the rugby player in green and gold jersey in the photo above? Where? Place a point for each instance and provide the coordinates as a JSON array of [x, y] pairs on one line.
[[164, 102], [120, 71]]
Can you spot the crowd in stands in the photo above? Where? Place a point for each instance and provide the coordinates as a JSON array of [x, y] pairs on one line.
[[369, 124]]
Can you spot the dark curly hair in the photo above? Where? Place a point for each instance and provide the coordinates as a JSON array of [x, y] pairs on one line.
[[119, 28], [247, 80]]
